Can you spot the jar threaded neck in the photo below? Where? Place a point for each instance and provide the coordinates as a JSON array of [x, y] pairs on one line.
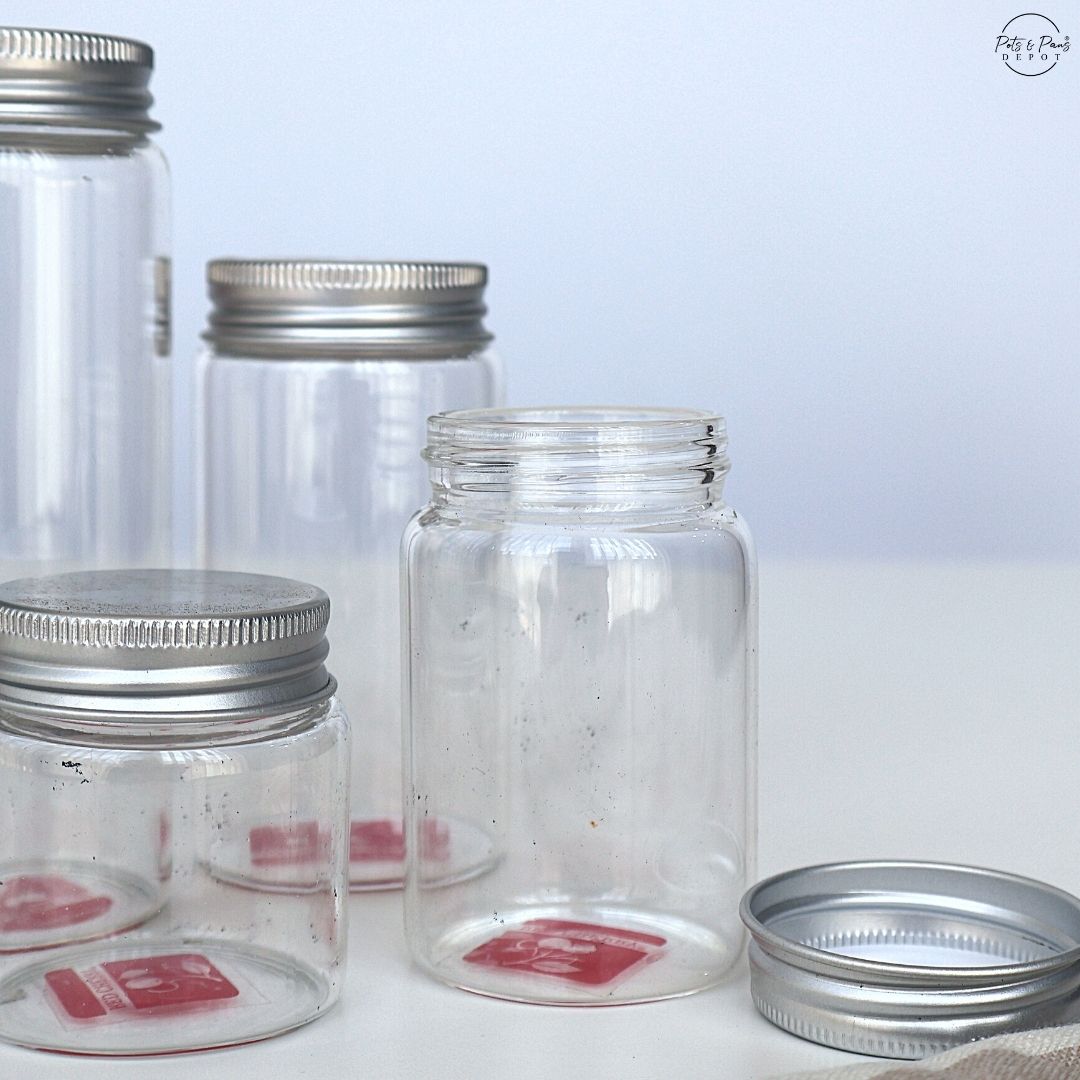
[[583, 459]]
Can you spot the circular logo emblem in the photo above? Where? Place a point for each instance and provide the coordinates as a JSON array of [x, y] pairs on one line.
[[1031, 44]]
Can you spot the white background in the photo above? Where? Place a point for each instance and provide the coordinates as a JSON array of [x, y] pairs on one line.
[[844, 225]]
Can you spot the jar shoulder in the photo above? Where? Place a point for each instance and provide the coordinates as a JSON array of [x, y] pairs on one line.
[[400, 372], [716, 528], [89, 156], [307, 731]]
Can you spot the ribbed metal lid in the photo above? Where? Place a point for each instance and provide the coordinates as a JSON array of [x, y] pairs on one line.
[[314, 307], [906, 959], [162, 642], [60, 77]]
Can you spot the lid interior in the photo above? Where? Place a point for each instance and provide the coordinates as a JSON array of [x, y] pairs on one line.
[[913, 916]]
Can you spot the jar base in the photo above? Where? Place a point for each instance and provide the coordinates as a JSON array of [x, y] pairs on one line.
[[50, 902], [157, 996], [289, 856], [393, 880], [582, 954], [450, 851]]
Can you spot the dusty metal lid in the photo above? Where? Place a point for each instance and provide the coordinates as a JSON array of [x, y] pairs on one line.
[[317, 308], [61, 77], [906, 959], [162, 642]]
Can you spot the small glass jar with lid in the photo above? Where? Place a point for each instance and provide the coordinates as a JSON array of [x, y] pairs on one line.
[[173, 807], [313, 397], [581, 682], [85, 376]]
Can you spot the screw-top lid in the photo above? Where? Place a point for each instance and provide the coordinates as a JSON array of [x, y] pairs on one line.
[[312, 308], [907, 959], [57, 77], [162, 643]]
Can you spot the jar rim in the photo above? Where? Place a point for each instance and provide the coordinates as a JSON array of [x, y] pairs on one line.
[[575, 417], [546, 425]]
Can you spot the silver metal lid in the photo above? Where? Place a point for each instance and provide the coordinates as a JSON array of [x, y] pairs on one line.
[[57, 77], [302, 307], [906, 959], [162, 642]]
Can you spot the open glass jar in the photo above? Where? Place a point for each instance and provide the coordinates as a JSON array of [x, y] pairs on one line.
[[173, 811], [581, 683]]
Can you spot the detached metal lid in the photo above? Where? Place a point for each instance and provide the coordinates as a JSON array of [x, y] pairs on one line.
[[302, 307], [60, 77], [162, 642], [906, 959]]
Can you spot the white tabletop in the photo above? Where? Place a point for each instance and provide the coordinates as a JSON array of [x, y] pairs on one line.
[[907, 711]]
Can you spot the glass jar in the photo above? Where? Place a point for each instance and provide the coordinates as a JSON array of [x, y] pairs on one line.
[[173, 808], [313, 397], [85, 469], [581, 684]]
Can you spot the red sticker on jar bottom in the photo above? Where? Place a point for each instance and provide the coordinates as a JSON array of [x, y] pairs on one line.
[[577, 952], [45, 902], [383, 840], [119, 989], [377, 840], [289, 845]]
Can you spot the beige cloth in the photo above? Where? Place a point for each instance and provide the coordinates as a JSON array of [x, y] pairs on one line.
[[1049, 1054]]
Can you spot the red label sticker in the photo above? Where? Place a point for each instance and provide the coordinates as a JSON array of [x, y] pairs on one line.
[[77, 998], [119, 986], [44, 902], [289, 845], [384, 840], [578, 952], [376, 841]]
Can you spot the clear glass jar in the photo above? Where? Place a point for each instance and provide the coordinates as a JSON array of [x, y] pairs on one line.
[[174, 807], [313, 400], [581, 683], [84, 291]]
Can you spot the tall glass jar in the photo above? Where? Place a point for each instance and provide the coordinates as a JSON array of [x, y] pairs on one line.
[[84, 294], [580, 650], [173, 811], [313, 397]]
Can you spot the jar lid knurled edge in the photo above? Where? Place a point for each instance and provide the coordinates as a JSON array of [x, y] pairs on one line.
[[150, 640], [313, 308], [809, 925], [65, 78]]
